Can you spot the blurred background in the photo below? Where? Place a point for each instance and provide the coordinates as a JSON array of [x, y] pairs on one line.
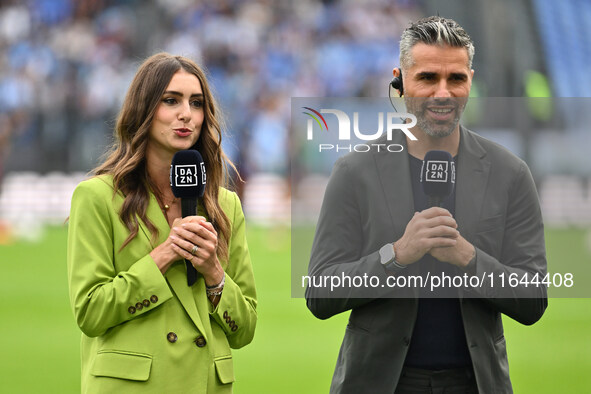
[[65, 66]]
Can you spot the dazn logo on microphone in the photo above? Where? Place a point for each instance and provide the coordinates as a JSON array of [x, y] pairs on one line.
[[438, 171], [186, 175]]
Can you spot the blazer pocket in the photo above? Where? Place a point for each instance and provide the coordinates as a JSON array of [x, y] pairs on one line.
[[224, 367], [122, 365]]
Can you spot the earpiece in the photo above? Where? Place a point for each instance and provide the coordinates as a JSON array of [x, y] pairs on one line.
[[396, 83]]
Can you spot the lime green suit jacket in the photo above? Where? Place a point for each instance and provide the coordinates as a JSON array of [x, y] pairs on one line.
[[143, 331]]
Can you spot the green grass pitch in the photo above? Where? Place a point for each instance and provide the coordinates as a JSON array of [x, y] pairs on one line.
[[292, 351]]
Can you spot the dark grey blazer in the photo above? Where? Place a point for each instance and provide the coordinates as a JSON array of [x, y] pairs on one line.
[[368, 203]]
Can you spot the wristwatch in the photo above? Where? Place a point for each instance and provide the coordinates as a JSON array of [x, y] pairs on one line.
[[388, 257]]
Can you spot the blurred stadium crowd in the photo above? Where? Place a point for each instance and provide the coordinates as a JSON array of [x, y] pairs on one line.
[[65, 66]]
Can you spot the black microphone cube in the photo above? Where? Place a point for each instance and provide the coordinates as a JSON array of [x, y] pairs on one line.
[[187, 174], [438, 174]]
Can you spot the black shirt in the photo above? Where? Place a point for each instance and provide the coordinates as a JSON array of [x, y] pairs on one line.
[[438, 338]]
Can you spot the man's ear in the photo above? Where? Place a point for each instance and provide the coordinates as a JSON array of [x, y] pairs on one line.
[[396, 81]]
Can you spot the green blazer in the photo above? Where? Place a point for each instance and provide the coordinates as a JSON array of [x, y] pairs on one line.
[[144, 332]]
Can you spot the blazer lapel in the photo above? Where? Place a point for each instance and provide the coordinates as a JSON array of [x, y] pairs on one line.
[[471, 179], [176, 275], [394, 176]]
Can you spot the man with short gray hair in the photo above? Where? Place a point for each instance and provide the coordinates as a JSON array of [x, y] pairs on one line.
[[489, 226], [434, 30]]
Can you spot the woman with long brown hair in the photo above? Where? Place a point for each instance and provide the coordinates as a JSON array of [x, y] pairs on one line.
[[143, 328]]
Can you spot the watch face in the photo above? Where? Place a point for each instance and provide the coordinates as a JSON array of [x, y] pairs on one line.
[[387, 254]]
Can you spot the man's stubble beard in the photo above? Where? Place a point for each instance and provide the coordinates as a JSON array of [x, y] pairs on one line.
[[418, 107]]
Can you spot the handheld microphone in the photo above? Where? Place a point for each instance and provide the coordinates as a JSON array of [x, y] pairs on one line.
[[187, 181], [438, 176]]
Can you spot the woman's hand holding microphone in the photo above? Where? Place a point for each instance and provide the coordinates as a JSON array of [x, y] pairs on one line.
[[194, 239]]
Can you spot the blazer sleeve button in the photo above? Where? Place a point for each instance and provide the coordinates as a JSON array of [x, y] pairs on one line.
[[131, 309], [171, 337], [146, 303], [154, 299], [234, 328], [139, 306]]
